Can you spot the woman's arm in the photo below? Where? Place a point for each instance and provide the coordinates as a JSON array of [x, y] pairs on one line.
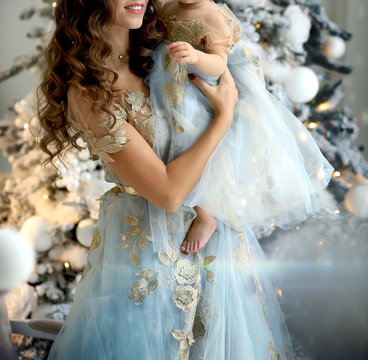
[[167, 186]]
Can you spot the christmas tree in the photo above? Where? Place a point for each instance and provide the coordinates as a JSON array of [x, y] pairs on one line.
[[298, 48]]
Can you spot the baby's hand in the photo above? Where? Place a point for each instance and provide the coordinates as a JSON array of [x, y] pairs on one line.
[[184, 52]]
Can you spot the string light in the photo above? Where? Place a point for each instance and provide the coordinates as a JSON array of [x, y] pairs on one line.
[[337, 211], [258, 26], [26, 126], [66, 265], [324, 107], [336, 173], [45, 196], [279, 292], [54, 4], [312, 125]]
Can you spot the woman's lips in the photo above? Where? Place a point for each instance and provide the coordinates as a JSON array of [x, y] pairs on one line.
[[136, 8]]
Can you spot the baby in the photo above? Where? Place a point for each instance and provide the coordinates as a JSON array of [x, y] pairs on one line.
[[212, 63], [268, 168]]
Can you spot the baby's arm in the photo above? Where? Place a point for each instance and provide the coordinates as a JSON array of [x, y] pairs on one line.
[[210, 64]]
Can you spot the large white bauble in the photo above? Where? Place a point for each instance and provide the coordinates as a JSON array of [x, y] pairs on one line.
[[356, 200], [302, 84], [36, 230], [334, 47], [17, 259], [85, 231]]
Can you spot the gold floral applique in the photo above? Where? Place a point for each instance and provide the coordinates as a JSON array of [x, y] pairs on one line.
[[189, 30], [114, 139], [140, 114]]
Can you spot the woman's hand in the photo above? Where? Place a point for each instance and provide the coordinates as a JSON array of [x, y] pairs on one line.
[[222, 97]]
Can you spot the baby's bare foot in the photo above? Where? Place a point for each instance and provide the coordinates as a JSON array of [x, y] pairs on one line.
[[199, 233]]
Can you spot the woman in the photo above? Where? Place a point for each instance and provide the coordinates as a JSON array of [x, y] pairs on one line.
[[140, 298]]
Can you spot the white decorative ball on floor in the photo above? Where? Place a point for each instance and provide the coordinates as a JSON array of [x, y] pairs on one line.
[[334, 47], [17, 259], [302, 84], [85, 230], [356, 200], [36, 230]]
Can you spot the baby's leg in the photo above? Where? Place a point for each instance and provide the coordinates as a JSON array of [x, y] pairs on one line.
[[203, 226]]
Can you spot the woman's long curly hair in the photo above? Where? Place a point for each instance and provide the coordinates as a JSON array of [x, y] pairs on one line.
[[75, 55]]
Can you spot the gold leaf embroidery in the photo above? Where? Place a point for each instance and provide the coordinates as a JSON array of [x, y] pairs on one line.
[[123, 246], [136, 259], [272, 351], [166, 61], [248, 53], [144, 286], [86, 269], [145, 273], [208, 259], [96, 240], [210, 276], [126, 239], [178, 334], [134, 230], [132, 220], [142, 242], [152, 286], [164, 258], [149, 238]]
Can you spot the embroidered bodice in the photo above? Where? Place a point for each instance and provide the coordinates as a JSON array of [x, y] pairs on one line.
[[200, 34], [134, 108]]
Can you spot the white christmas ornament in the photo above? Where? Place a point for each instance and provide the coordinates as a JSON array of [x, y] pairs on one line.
[[356, 200], [17, 259], [302, 84], [36, 230], [334, 47], [298, 30], [85, 230]]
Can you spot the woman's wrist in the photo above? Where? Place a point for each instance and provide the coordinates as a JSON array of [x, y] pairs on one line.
[[223, 117]]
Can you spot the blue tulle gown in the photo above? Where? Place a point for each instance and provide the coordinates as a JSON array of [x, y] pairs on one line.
[[140, 297]]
